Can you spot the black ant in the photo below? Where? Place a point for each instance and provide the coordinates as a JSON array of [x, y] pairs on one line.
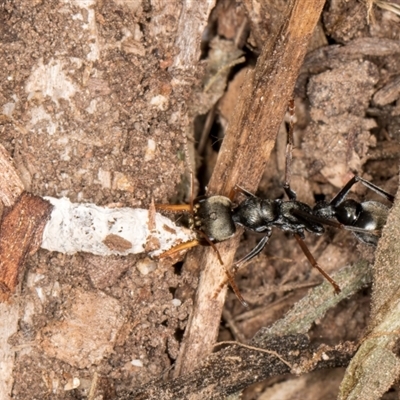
[[214, 218]]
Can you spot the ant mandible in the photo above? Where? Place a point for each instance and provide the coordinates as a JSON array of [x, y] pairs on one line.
[[214, 218]]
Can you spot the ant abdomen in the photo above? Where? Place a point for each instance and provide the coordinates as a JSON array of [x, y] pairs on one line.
[[368, 215]]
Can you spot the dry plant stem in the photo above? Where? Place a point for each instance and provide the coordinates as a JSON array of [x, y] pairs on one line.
[[207, 311], [236, 367], [319, 300], [243, 157], [265, 96], [363, 380]]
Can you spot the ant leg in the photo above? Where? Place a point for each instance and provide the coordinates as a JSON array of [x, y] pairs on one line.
[[207, 239], [195, 243], [229, 276], [338, 199], [314, 263], [289, 147], [234, 287], [260, 245], [288, 164], [376, 189]]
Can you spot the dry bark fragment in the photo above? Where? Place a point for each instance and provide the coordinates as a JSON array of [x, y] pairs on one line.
[[389, 93], [21, 232]]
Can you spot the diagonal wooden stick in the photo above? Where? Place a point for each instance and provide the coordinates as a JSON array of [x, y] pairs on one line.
[[242, 159]]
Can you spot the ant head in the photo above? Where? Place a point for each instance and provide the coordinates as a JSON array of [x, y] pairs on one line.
[[213, 216]]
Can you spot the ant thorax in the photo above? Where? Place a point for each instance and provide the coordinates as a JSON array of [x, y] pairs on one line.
[[257, 214]]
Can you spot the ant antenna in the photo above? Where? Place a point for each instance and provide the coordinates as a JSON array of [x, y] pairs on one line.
[[289, 149], [190, 169]]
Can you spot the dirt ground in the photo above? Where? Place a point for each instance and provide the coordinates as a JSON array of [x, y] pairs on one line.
[[97, 105]]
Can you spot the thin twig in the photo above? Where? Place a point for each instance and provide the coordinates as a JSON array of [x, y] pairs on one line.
[[261, 350]]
